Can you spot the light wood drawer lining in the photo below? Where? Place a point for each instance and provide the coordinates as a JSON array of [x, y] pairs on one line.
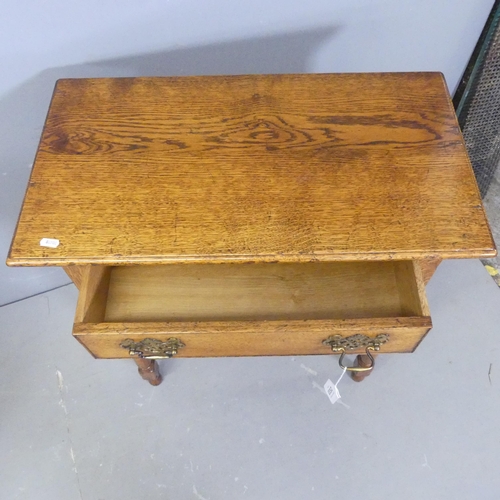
[[227, 292]]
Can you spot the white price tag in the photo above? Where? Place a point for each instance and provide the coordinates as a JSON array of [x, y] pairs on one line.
[[331, 391], [49, 242]]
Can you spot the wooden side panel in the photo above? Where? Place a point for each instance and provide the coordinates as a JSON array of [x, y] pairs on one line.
[[420, 287], [251, 338], [93, 297], [76, 274], [411, 288], [429, 266]]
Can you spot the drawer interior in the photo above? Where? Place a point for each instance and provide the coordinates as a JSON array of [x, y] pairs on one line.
[[252, 292]]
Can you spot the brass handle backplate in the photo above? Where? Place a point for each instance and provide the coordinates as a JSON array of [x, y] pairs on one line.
[[341, 344], [152, 348]]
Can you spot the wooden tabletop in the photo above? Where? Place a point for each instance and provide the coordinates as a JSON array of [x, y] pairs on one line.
[[251, 168]]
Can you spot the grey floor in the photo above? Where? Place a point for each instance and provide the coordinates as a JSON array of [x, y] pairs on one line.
[[492, 205], [423, 426]]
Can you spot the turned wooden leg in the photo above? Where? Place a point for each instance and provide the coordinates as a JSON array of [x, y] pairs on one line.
[[363, 361], [148, 370]]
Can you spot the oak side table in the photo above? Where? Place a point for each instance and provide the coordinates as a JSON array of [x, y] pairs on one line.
[[251, 215]]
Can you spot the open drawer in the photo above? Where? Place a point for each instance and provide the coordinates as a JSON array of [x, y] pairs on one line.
[[251, 309]]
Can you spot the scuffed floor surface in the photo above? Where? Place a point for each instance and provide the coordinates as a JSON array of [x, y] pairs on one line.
[[424, 425]]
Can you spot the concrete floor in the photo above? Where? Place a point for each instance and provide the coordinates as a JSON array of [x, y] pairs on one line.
[[423, 425], [492, 205]]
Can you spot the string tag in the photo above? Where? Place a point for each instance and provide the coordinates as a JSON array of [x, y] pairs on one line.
[[332, 390]]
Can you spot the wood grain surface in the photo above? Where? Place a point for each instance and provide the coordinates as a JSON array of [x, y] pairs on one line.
[[93, 297], [411, 288], [250, 310], [148, 369], [235, 292], [251, 168], [76, 274], [428, 267], [251, 338]]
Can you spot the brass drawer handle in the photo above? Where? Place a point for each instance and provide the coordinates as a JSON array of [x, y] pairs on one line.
[[153, 348], [340, 344], [358, 368]]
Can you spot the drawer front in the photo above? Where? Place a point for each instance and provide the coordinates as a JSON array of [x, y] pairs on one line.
[[251, 310], [251, 338]]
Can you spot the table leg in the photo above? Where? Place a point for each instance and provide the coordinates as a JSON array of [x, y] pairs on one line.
[[363, 361], [148, 370]]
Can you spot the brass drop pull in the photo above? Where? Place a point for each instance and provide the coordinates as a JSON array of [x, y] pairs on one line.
[[152, 348], [340, 344]]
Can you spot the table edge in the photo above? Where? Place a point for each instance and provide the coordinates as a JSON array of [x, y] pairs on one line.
[[269, 258]]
